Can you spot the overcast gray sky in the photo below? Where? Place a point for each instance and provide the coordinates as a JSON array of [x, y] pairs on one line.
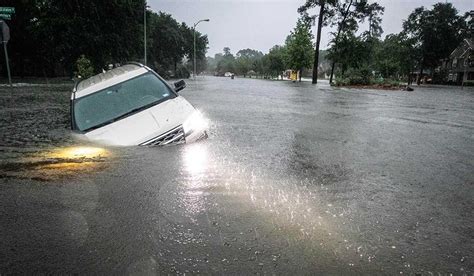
[[260, 24]]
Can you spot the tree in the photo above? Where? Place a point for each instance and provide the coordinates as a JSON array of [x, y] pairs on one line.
[[346, 17], [49, 36], [373, 12], [201, 48], [84, 68], [469, 19], [299, 47], [395, 57], [167, 42], [227, 63], [351, 52], [245, 59], [276, 61], [242, 66], [227, 53], [213, 61], [343, 12], [64, 30], [435, 33], [324, 14], [261, 66], [170, 42], [24, 46]]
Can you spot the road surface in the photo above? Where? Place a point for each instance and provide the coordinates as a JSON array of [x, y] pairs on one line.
[[293, 178]]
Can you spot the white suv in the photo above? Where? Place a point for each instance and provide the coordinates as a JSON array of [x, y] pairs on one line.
[[133, 105]]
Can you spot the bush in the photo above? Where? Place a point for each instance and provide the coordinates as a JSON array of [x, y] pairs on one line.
[[440, 77], [182, 72], [395, 83], [84, 67], [361, 76], [386, 82], [356, 76], [341, 81], [162, 71]]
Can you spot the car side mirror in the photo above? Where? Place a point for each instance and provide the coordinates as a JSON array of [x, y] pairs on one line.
[[179, 85]]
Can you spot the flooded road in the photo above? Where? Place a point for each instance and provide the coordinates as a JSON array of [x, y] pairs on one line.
[[292, 179]]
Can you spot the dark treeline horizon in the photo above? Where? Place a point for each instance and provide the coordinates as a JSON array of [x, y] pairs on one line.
[[49, 36]]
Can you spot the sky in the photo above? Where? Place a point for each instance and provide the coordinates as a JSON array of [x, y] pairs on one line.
[[261, 24]]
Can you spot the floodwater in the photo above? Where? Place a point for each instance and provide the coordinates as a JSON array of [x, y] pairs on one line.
[[293, 178]]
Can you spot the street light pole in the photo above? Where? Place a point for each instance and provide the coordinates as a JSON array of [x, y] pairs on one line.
[[194, 43], [8, 63], [144, 30]]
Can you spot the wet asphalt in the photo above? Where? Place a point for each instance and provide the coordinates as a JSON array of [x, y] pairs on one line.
[[293, 178]]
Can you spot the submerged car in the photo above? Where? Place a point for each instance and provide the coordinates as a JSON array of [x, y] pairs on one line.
[[133, 105]]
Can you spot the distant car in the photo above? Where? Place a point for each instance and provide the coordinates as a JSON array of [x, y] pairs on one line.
[[228, 74], [133, 105]]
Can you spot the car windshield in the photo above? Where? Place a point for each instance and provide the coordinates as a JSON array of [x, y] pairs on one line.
[[120, 100]]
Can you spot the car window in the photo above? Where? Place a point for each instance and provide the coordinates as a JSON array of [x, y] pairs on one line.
[[116, 101]]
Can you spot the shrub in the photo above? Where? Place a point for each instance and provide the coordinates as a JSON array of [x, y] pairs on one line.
[[162, 71], [341, 81], [182, 72], [440, 77], [360, 76], [84, 67]]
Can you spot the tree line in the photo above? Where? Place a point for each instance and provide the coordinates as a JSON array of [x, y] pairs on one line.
[[427, 37], [52, 37], [353, 57], [295, 54]]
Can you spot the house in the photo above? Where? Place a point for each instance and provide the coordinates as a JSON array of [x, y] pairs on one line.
[[425, 78], [459, 67]]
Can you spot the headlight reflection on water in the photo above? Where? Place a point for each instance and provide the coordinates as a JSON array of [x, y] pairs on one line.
[[60, 163], [195, 159], [297, 209], [80, 152], [75, 159]]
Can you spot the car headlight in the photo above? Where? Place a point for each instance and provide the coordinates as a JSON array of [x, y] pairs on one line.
[[195, 122]]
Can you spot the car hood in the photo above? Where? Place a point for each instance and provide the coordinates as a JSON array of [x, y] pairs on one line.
[[144, 125]]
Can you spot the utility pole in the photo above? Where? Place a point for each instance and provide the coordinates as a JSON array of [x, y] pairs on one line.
[[194, 43], [8, 63], [144, 30], [5, 36]]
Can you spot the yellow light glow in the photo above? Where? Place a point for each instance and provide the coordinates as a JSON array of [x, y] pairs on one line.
[[80, 153], [62, 162]]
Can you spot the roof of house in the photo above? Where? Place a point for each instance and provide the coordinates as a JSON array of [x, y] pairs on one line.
[[470, 42], [463, 48], [107, 76]]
